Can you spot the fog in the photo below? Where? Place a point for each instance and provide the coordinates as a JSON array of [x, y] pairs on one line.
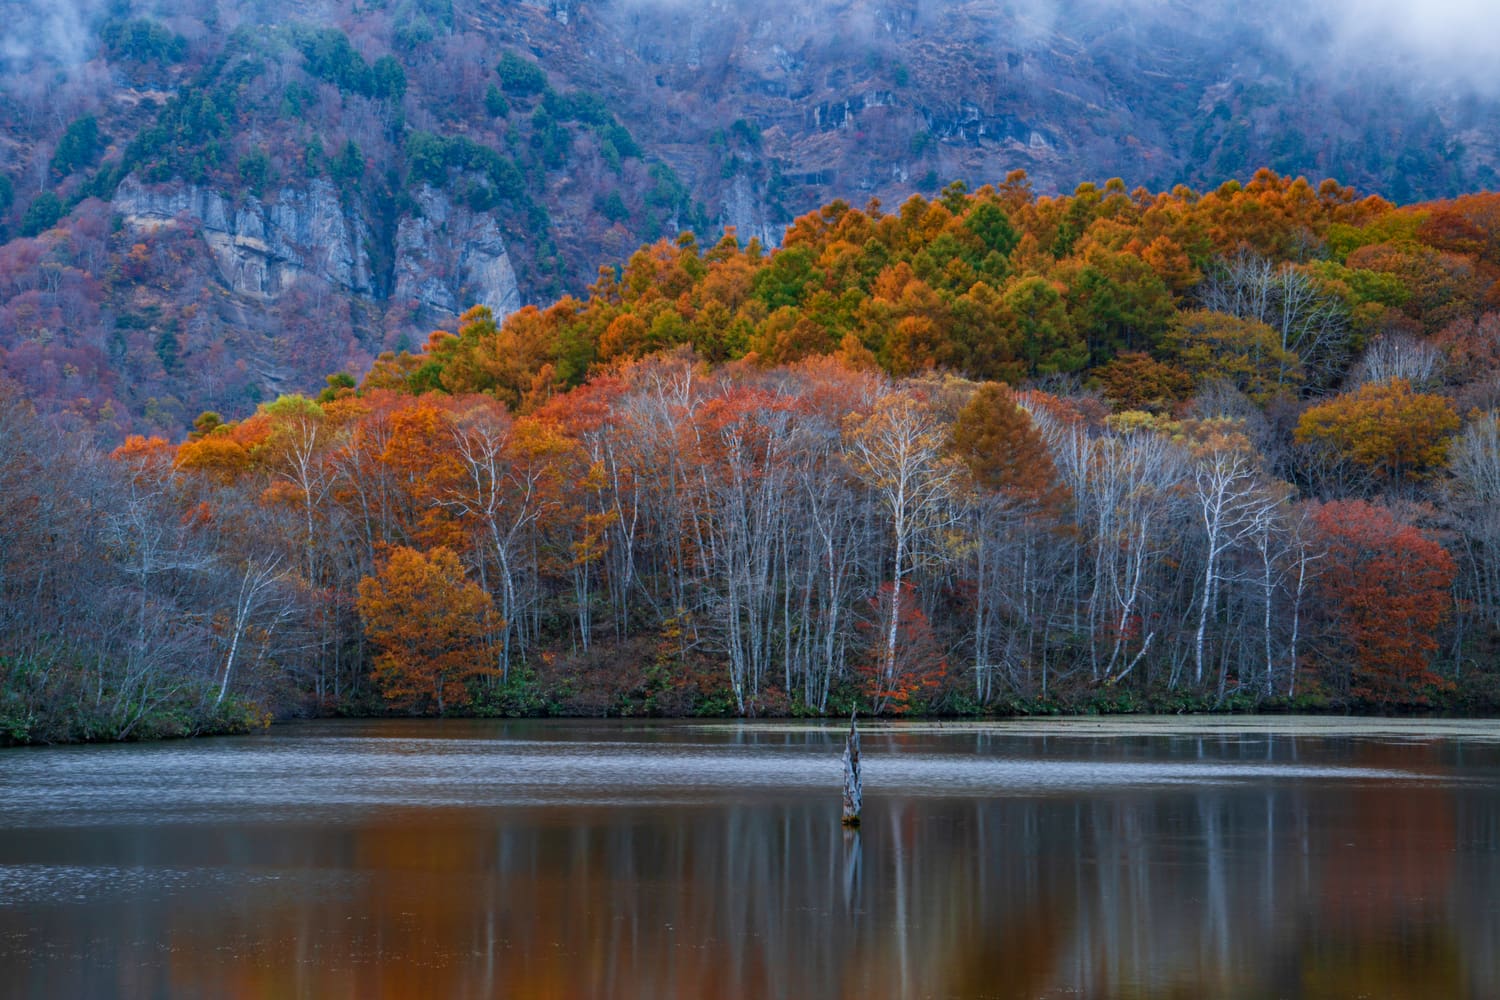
[[1441, 42], [57, 29], [1446, 42]]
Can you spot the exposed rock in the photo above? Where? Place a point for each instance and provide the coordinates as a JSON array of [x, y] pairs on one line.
[[261, 249], [449, 258], [446, 258], [746, 212]]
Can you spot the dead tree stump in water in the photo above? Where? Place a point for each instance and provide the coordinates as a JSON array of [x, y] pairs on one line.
[[854, 789]]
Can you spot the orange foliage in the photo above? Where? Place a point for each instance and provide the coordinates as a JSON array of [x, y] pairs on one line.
[[1136, 381], [919, 668], [429, 626], [995, 438]]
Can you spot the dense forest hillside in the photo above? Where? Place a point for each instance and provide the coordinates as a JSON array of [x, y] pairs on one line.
[[990, 452], [206, 204]]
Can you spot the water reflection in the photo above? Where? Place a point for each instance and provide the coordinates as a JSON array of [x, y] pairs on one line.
[[1335, 866]]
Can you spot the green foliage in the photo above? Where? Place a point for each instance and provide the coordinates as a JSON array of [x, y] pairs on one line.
[[255, 170], [992, 227], [168, 350], [746, 132], [495, 103], [519, 696], [296, 99], [142, 40], [578, 106], [42, 214], [418, 22], [387, 79], [550, 139], [786, 280], [430, 157], [191, 133], [45, 697], [669, 194], [349, 164], [1037, 315], [610, 155], [613, 208], [329, 56], [335, 386], [1343, 239], [79, 146], [954, 196], [313, 156], [7, 193], [620, 138], [521, 76]]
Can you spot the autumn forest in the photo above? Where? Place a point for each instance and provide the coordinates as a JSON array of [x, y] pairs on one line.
[[988, 453]]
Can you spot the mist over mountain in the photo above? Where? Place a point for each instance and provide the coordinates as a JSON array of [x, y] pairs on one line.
[[206, 204]]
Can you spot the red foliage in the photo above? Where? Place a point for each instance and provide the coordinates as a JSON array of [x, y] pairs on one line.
[[920, 664], [1385, 589]]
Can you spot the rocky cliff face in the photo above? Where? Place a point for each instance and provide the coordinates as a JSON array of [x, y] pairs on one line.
[[446, 257], [261, 249], [745, 209], [449, 258]]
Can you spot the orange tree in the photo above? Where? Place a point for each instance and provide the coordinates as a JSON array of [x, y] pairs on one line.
[[430, 626], [1004, 452]]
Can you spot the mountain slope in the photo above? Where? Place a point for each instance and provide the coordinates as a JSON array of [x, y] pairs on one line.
[[211, 203]]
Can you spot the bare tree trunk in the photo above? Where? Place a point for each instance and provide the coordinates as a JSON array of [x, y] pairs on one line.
[[854, 788]]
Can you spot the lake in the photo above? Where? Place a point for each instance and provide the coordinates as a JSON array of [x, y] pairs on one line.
[[1096, 858]]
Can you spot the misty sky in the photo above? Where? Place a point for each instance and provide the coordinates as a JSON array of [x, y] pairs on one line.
[[1442, 41]]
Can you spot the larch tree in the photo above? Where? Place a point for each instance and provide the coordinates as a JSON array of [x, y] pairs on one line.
[[1400, 436], [429, 625], [1016, 488]]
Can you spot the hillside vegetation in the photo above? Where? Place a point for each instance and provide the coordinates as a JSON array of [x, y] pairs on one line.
[[992, 452], [205, 205]]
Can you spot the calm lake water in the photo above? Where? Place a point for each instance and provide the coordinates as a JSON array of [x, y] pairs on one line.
[[633, 859]]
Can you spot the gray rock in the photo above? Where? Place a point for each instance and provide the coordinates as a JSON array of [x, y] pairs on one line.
[[449, 258], [746, 212], [260, 249]]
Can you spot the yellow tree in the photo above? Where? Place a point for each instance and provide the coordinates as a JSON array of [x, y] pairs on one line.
[[430, 626], [1217, 347], [898, 451], [1398, 435]]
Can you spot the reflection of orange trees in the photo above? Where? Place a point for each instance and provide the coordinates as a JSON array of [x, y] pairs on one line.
[[1388, 884], [1149, 895], [1410, 829], [429, 625], [1424, 963]]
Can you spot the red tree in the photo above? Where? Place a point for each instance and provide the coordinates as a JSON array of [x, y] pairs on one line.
[[1385, 589]]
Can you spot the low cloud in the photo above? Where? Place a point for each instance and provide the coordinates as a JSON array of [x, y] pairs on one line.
[[54, 31], [1445, 42]]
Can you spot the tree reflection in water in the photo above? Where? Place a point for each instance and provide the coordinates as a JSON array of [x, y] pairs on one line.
[[1303, 886]]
